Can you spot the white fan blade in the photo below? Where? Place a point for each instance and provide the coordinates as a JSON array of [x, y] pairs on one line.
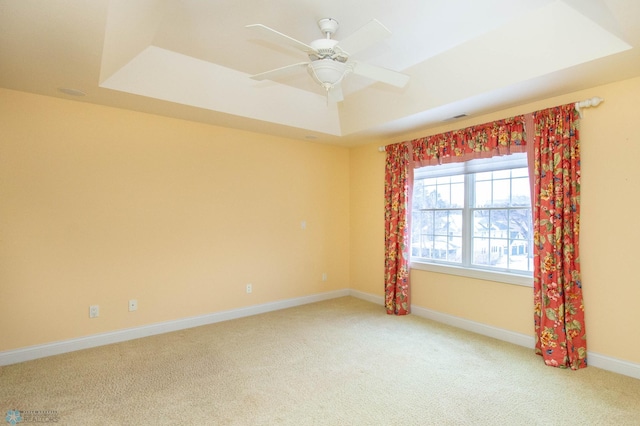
[[366, 36], [278, 37], [335, 94], [280, 72], [380, 74]]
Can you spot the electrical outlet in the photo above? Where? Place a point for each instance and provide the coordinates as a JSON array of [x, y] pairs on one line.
[[324, 276], [94, 311], [249, 288], [133, 305]]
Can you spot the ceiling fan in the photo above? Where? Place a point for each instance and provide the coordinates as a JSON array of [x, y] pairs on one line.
[[330, 60]]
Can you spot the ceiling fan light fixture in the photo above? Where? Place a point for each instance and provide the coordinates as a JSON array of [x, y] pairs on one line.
[[329, 59], [327, 72]]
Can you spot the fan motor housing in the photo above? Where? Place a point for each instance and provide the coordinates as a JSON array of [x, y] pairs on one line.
[[325, 49]]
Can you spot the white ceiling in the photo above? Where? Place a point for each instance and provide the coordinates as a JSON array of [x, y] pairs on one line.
[[192, 59]]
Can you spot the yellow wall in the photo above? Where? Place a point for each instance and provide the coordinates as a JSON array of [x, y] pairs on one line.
[[610, 143], [101, 205]]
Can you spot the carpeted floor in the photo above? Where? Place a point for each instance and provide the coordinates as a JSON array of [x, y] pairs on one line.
[[338, 362]]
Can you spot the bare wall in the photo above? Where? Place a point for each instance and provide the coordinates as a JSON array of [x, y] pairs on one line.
[[101, 205]]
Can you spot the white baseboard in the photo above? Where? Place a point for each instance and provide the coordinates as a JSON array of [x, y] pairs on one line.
[[378, 300], [40, 351], [594, 359], [613, 364], [56, 348], [475, 327]]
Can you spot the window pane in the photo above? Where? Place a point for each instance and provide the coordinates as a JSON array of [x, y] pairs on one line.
[[520, 224], [428, 196], [501, 193], [499, 252], [437, 235], [444, 192], [499, 223], [521, 262], [457, 195], [484, 176], [439, 223], [523, 172], [423, 223], [480, 251], [502, 174], [422, 234], [520, 255], [440, 248], [482, 193], [481, 223], [455, 249], [455, 223], [520, 192]]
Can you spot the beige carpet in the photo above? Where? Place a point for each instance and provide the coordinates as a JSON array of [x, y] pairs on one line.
[[339, 362]]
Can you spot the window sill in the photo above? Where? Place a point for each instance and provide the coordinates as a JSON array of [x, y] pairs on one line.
[[480, 274]]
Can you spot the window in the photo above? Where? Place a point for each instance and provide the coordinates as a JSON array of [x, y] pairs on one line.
[[476, 217]]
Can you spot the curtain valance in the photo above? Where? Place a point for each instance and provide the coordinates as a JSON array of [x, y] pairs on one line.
[[500, 137]]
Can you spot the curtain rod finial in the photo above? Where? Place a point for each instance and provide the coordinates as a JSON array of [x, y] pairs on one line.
[[595, 101]]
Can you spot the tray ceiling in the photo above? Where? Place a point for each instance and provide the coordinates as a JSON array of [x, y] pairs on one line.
[[192, 59]]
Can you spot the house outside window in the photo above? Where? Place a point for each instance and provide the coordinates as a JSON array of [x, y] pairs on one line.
[[474, 219]]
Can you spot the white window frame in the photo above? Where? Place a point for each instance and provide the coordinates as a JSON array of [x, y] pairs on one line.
[[473, 166]]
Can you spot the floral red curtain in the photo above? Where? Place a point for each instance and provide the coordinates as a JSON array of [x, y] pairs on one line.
[[486, 140], [559, 309], [396, 232]]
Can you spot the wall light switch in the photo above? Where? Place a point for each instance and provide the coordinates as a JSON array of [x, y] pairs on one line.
[[94, 311]]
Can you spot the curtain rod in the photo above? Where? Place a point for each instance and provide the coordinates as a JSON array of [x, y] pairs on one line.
[[587, 103]]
